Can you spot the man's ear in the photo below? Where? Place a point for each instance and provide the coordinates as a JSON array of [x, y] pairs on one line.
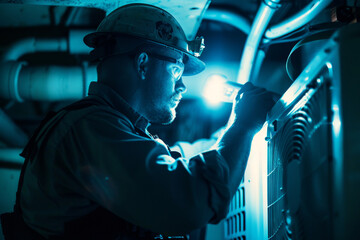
[[142, 64]]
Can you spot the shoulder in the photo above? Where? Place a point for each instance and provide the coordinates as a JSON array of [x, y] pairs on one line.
[[105, 116], [89, 122]]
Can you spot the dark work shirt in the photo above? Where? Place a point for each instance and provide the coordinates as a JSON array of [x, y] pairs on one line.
[[103, 155]]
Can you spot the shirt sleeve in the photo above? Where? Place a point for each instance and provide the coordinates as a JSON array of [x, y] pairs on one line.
[[137, 178], [190, 150]]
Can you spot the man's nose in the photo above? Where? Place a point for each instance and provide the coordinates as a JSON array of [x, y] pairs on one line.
[[180, 86]]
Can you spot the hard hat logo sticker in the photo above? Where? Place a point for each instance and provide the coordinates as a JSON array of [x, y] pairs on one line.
[[164, 30]]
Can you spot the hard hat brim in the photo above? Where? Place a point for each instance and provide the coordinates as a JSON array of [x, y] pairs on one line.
[[193, 65]]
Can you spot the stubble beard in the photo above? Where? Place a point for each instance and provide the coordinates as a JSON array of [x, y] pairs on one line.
[[164, 115]]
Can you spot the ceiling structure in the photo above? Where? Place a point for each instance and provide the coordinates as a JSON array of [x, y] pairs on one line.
[[27, 12]]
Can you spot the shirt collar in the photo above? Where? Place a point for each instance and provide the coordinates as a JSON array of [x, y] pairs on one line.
[[117, 102]]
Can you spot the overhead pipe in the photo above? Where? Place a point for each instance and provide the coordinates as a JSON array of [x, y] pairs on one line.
[[32, 45], [261, 21], [298, 20], [72, 44], [44, 83], [228, 17], [10, 133]]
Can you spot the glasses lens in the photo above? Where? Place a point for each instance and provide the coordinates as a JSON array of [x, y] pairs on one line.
[[177, 71]]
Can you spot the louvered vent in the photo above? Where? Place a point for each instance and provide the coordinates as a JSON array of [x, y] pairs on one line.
[[235, 223], [298, 172]]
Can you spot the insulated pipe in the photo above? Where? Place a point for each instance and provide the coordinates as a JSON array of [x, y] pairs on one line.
[[73, 44], [228, 17], [298, 20], [9, 80], [32, 45], [11, 134], [262, 19], [44, 83]]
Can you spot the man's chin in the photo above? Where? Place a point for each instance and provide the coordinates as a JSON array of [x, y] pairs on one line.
[[170, 118], [165, 117]]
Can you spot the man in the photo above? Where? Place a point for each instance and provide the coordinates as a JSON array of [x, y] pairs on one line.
[[93, 171]]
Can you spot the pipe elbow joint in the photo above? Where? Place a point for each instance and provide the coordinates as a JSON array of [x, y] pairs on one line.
[[9, 86]]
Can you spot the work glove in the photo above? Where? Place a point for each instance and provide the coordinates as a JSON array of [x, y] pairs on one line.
[[251, 106]]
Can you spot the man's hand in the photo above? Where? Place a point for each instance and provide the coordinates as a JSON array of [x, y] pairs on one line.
[[251, 106]]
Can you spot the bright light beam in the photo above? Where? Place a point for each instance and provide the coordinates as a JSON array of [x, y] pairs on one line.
[[212, 91], [218, 89]]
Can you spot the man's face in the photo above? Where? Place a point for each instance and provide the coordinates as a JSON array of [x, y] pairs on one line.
[[164, 87]]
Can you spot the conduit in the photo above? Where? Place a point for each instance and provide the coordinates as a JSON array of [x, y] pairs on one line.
[[262, 19], [44, 83], [298, 20], [228, 17]]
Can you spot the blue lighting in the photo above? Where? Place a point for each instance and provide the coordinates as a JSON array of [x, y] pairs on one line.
[[336, 120]]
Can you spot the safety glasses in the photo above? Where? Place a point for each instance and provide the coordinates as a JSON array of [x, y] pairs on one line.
[[176, 69]]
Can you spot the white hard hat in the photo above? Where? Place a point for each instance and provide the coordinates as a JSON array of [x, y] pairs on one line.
[[144, 24]]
